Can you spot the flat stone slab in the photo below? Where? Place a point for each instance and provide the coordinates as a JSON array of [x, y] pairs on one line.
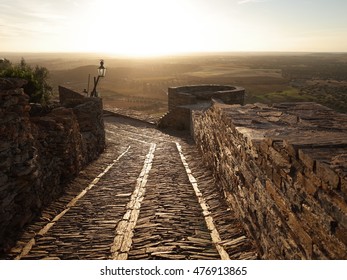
[[319, 133]]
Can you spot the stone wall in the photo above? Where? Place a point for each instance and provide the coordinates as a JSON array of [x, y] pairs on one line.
[[89, 114], [188, 95], [284, 169], [41, 148], [179, 118], [18, 161], [182, 100]]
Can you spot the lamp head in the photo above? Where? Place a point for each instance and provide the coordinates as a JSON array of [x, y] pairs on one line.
[[102, 69]]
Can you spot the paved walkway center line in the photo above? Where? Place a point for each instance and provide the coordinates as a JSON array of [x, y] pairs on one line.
[[27, 248], [208, 218], [125, 228]]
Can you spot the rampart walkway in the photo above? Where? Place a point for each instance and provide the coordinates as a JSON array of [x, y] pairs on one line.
[[147, 197]]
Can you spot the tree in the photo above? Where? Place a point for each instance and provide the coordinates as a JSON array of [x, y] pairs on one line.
[[37, 88]]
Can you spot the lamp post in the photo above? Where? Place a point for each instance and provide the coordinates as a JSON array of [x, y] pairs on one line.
[[101, 73]]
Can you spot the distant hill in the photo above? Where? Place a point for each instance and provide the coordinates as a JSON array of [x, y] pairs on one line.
[[267, 77]]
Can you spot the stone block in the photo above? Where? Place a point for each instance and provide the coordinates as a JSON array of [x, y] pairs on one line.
[[306, 159], [335, 206], [344, 186], [11, 84], [341, 234], [326, 174], [303, 183], [315, 180], [304, 238], [277, 178]]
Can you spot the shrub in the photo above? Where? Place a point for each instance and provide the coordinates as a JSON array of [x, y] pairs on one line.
[[37, 88]]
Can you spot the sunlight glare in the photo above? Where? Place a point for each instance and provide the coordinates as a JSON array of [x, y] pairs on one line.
[[156, 27], [141, 28]]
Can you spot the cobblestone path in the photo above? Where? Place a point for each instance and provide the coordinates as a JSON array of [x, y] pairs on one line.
[[148, 196]]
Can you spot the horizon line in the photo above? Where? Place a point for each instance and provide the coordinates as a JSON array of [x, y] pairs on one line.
[[108, 54]]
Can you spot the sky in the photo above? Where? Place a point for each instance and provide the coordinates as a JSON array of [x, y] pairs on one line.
[[159, 27]]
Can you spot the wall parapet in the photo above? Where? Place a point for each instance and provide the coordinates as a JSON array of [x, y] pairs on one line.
[[41, 149], [182, 100], [284, 169]]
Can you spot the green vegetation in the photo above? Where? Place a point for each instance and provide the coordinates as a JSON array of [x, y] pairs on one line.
[[330, 94], [288, 95], [37, 88]]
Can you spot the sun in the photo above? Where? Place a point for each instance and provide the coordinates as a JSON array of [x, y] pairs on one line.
[[140, 28], [155, 28]]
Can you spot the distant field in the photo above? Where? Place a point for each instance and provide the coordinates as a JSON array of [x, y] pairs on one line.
[[141, 84]]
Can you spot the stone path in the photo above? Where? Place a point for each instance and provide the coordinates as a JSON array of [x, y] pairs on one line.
[[147, 197]]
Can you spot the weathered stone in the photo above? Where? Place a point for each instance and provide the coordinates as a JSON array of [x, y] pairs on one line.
[[302, 210], [182, 100], [38, 154], [325, 173], [11, 83]]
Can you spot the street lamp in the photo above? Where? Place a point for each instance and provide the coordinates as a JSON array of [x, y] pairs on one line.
[[101, 73]]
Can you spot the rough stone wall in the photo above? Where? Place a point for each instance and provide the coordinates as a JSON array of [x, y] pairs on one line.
[[182, 100], [284, 169], [18, 161], [69, 98], [89, 114], [176, 98], [59, 149], [41, 148], [178, 118]]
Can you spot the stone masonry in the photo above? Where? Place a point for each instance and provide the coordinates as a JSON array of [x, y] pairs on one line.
[[89, 114], [284, 170], [148, 196], [41, 148], [18, 160], [182, 100], [279, 171]]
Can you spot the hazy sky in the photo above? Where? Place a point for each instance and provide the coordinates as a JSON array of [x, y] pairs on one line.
[[145, 27]]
